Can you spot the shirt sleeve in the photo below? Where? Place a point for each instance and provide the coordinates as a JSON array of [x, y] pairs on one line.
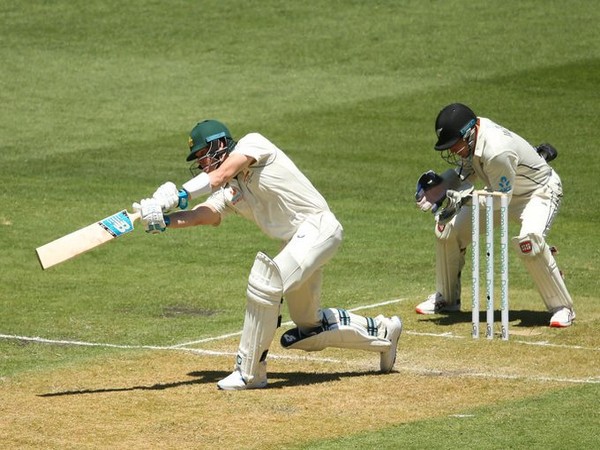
[[256, 146], [501, 171]]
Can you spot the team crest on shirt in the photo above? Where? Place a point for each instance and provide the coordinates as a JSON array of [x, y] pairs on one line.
[[504, 185]]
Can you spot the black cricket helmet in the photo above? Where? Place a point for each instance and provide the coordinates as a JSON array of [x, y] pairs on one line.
[[452, 123]]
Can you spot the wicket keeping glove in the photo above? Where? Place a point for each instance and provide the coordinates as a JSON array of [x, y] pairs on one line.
[[430, 192], [547, 151], [453, 202], [152, 215]]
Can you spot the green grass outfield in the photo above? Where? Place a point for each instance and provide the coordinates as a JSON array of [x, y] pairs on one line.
[[97, 99]]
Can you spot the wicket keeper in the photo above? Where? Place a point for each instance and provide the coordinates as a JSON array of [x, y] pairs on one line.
[[480, 149]]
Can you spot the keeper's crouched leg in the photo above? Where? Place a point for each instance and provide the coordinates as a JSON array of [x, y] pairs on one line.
[[541, 265], [264, 297], [342, 329]]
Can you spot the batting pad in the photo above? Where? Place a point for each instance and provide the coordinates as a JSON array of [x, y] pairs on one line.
[[542, 267], [341, 329], [450, 259], [264, 297]]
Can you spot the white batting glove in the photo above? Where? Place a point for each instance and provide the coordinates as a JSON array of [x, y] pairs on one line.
[[167, 196], [152, 215]]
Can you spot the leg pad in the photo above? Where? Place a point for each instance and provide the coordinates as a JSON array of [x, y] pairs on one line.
[[265, 289], [341, 329], [541, 265]]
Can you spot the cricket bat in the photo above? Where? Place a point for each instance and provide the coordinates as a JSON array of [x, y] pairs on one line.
[[92, 236], [86, 238]]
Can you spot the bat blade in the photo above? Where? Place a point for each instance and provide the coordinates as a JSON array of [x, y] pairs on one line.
[[85, 239]]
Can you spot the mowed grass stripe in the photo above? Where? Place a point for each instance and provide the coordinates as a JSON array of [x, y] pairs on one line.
[[97, 109]]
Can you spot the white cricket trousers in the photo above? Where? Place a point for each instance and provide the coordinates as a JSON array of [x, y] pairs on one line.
[[301, 263]]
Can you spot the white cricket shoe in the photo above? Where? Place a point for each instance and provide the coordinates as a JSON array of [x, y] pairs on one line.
[[394, 329], [562, 318], [236, 382], [436, 304]]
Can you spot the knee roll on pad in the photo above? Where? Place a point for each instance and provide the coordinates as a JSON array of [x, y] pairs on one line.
[[542, 268], [265, 285], [341, 329], [264, 292], [443, 231]]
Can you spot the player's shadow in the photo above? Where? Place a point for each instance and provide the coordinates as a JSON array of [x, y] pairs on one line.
[[277, 380], [207, 377], [517, 318]]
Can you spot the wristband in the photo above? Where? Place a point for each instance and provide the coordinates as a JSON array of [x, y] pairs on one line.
[[167, 221], [197, 186]]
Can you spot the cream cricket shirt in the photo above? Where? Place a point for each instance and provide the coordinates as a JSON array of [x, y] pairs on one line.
[[506, 162], [273, 192]]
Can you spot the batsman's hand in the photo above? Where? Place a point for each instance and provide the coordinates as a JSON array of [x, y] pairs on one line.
[[152, 216], [167, 196], [430, 192]]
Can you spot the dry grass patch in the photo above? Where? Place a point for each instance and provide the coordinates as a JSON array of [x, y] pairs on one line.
[[168, 399]]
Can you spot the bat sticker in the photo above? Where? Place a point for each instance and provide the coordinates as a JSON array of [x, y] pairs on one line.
[[117, 224]]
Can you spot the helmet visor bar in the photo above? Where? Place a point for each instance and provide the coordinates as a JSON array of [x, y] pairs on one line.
[[208, 160]]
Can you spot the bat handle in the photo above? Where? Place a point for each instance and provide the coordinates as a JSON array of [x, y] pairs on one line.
[[183, 199]]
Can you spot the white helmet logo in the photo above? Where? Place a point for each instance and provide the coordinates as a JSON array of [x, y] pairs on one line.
[[439, 131]]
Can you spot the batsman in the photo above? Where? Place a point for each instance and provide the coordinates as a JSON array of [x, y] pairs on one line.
[[254, 179], [478, 148]]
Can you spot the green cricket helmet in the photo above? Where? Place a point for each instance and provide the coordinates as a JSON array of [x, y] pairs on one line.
[[452, 123], [205, 133]]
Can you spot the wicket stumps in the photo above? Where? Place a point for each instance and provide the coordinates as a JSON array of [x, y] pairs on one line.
[[489, 262]]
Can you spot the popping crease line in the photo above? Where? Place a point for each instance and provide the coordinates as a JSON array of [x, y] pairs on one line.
[[416, 370], [499, 376], [182, 346], [40, 340]]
